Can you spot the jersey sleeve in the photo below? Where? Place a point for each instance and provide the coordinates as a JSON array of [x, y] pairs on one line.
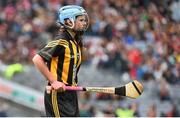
[[52, 49]]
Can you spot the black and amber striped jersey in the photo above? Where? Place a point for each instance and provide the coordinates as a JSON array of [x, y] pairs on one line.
[[63, 58]]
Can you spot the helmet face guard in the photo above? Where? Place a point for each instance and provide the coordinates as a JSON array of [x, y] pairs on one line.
[[71, 12]]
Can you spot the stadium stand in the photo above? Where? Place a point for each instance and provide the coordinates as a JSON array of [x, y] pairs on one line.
[[127, 39]]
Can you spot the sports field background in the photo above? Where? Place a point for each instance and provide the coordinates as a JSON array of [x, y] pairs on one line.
[[126, 40]]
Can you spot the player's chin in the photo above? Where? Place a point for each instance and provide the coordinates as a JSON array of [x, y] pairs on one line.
[[81, 29]]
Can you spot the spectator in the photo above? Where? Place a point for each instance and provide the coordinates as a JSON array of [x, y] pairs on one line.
[[152, 111], [134, 107], [174, 112], [164, 91]]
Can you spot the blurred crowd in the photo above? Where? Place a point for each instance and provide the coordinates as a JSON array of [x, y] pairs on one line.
[[139, 39]]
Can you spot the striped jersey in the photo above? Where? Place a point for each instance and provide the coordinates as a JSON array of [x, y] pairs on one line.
[[63, 58]]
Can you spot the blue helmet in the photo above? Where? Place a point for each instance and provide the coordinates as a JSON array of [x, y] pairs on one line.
[[71, 12]]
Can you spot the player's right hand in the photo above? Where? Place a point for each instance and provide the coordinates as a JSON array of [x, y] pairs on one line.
[[58, 86]]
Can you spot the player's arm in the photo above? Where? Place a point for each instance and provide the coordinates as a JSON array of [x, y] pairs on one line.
[[42, 67], [52, 49]]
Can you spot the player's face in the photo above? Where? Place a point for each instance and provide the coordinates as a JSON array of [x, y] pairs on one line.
[[81, 23]]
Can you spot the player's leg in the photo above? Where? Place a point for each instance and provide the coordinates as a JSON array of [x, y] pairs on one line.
[[68, 104], [48, 105]]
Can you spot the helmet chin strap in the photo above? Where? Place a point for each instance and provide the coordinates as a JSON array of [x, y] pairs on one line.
[[73, 24], [66, 26]]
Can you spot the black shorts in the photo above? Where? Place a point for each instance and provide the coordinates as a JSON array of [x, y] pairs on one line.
[[61, 104]]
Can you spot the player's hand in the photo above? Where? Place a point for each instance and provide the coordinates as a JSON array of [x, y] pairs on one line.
[[58, 86]]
